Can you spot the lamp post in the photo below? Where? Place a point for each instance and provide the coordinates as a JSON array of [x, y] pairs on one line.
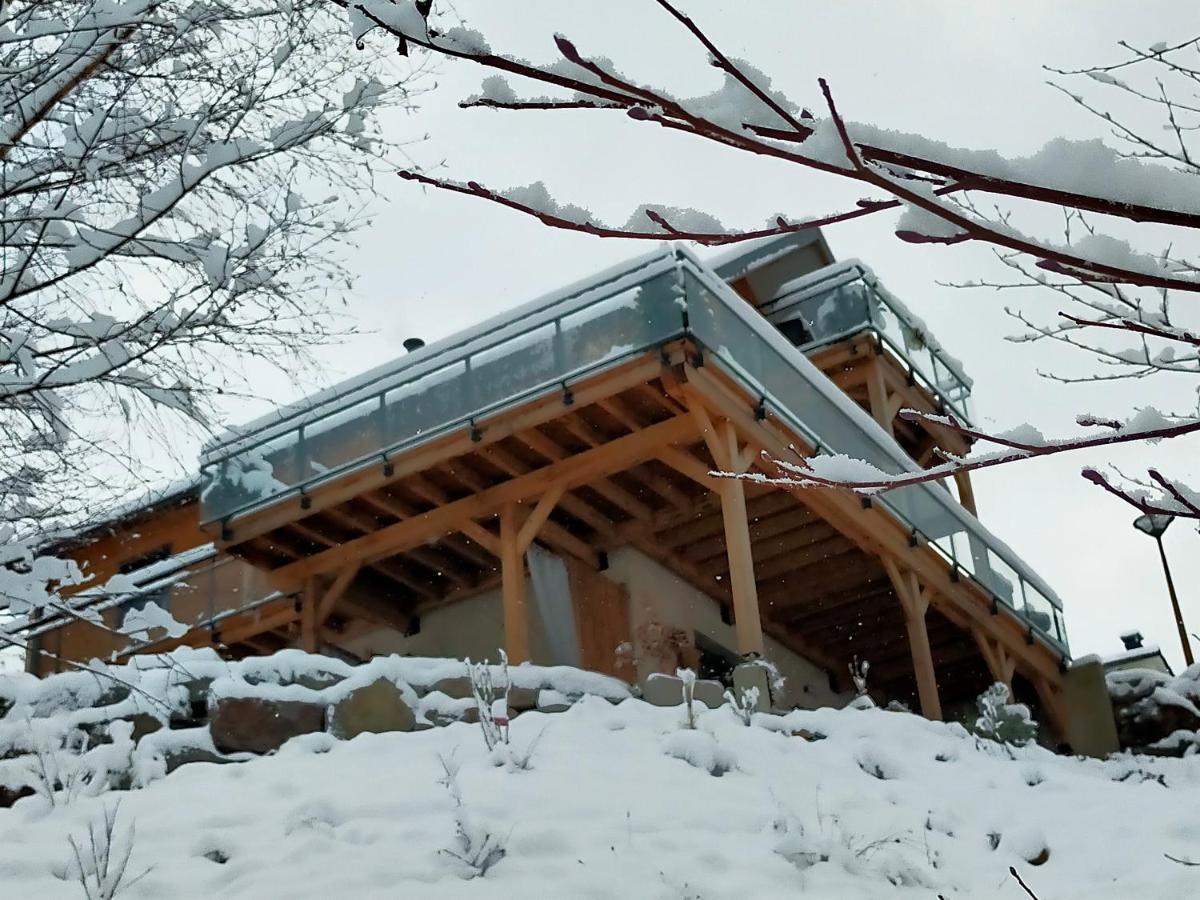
[[1155, 525]]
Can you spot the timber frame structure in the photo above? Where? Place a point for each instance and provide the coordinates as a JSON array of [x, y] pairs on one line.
[[622, 453]]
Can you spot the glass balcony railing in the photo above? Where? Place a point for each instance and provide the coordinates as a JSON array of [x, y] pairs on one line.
[[844, 299], [554, 343]]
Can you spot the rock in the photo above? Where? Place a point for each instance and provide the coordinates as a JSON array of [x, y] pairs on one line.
[[1154, 718], [194, 711], [710, 693], [521, 699], [378, 707], [667, 690], [114, 693], [318, 680], [101, 733], [662, 690], [551, 701], [253, 725], [752, 675], [9, 796], [457, 688], [182, 756]]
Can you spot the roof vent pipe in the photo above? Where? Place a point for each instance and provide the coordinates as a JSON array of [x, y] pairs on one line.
[[413, 344], [1132, 640]]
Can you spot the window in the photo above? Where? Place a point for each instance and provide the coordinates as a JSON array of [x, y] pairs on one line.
[[162, 595], [716, 663]]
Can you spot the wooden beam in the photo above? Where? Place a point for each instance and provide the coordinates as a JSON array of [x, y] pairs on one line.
[[538, 516], [877, 531], [686, 464], [605, 487], [309, 628], [421, 458], [747, 625], [552, 534], [471, 529], [1053, 705], [966, 493], [915, 602], [878, 394], [999, 661], [576, 470], [333, 594], [512, 573]]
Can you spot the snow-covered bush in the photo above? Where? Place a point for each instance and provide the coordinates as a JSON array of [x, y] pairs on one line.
[[701, 750], [744, 703], [491, 701], [858, 675], [1002, 721], [101, 858], [688, 686], [476, 848], [892, 858]]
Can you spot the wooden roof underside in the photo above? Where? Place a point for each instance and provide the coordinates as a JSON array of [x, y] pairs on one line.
[[820, 592]]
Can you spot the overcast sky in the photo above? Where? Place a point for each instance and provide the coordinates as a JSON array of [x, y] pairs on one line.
[[966, 73]]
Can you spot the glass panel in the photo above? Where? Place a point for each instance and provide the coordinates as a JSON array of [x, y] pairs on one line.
[[764, 368], [419, 406], [346, 435], [608, 323], [1002, 580], [253, 475], [1039, 612]]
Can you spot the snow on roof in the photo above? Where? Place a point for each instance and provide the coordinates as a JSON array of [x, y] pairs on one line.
[[1125, 656], [135, 505], [739, 259]]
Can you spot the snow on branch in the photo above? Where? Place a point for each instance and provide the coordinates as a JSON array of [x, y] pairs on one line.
[[745, 114], [1148, 425]]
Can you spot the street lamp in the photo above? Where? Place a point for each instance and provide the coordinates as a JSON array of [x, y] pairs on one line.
[[1155, 525]]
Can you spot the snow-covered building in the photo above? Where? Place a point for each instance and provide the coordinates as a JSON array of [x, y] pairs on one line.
[[542, 483]]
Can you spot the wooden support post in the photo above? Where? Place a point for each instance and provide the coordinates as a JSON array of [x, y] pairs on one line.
[[747, 624], [722, 441], [999, 661], [966, 493], [877, 394], [512, 574], [518, 529], [330, 598], [310, 604], [915, 603], [1054, 707]]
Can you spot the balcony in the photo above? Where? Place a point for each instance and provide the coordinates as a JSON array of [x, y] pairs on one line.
[[846, 299], [541, 349]]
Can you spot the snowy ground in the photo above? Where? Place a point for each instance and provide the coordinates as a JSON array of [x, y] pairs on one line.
[[619, 802]]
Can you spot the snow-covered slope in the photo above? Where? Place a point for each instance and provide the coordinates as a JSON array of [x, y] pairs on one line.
[[622, 801]]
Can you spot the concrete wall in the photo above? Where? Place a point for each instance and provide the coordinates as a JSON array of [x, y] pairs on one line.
[[475, 628], [657, 594]]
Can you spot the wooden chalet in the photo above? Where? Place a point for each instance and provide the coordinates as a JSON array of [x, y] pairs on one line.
[[575, 437]]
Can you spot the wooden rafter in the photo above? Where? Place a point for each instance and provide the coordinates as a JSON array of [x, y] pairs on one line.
[[878, 534], [574, 471]]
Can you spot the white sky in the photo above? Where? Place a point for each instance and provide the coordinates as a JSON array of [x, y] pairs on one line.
[[966, 73]]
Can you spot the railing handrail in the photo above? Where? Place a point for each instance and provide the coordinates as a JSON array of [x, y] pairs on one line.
[[869, 428], [852, 270], [883, 445], [396, 373]]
